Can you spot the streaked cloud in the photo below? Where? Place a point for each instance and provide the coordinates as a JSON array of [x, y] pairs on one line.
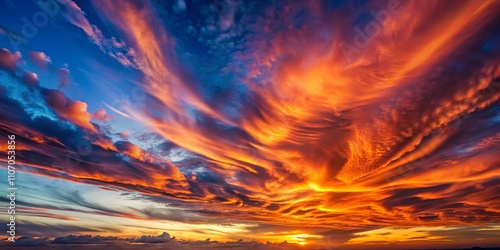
[[253, 123]]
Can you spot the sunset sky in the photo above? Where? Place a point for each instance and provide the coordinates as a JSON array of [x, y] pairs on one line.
[[251, 124]]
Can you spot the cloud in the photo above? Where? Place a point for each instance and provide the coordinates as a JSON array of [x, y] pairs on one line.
[[32, 231], [72, 111], [226, 15], [26, 241], [164, 237], [132, 150], [82, 239], [282, 129], [51, 146], [40, 59], [100, 115], [8, 60], [179, 6], [114, 48], [161, 241], [76, 16], [64, 77], [124, 135], [31, 79], [311, 119]]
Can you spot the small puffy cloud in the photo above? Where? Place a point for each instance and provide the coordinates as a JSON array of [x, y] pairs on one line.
[[180, 5], [72, 111], [30, 79], [100, 115], [64, 77], [124, 135], [40, 59], [8, 60], [226, 17]]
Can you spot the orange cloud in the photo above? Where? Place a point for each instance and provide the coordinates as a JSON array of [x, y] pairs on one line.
[[131, 149], [72, 111], [324, 123], [321, 133], [388, 136]]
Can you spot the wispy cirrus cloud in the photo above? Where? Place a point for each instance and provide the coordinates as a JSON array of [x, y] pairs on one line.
[[111, 46]]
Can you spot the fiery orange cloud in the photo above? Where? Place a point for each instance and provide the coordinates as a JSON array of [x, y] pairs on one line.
[[328, 122], [73, 111], [401, 129], [325, 130]]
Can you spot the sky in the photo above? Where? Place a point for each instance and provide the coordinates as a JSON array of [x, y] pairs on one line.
[[231, 124]]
